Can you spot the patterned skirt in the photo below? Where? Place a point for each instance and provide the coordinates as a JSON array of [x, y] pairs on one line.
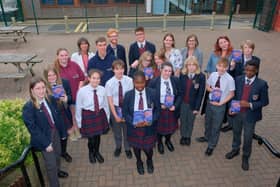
[[141, 137], [93, 123], [167, 123]]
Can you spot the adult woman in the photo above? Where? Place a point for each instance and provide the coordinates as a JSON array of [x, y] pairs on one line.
[[72, 72], [172, 54], [64, 98], [42, 119], [83, 55], [192, 49]]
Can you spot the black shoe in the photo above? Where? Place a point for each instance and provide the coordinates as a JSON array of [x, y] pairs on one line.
[[150, 166], [169, 145], [183, 141], [67, 157], [232, 153], [128, 154], [160, 148], [208, 151], [91, 158], [99, 157], [226, 128], [140, 168], [62, 174], [245, 163], [117, 152], [201, 139], [188, 141]]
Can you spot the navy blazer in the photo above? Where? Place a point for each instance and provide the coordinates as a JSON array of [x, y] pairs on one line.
[[120, 54], [128, 105], [258, 97], [38, 126], [67, 88], [175, 83], [197, 89], [134, 51], [239, 66]]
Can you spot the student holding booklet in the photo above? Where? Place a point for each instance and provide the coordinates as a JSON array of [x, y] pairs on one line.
[[141, 132]]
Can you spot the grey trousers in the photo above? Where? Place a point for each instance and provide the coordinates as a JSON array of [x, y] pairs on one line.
[[239, 123], [187, 120], [213, 121], [120, 133], [52, 160]]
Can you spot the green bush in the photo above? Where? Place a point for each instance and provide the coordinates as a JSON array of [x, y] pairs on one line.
[[14, 136]]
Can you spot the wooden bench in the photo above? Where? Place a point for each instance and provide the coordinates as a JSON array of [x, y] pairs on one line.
[[16, 77], [33, 62], [13, 32]]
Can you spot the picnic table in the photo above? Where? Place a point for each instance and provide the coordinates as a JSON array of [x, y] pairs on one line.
[[23, 63], [13, 32]]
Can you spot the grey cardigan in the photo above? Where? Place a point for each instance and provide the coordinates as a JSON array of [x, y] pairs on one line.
[[197, 53]]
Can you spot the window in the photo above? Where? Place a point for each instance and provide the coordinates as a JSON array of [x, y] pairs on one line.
[[57, 2]]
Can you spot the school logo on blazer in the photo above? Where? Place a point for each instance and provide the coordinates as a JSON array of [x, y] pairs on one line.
[[255, 97], [196, 86]]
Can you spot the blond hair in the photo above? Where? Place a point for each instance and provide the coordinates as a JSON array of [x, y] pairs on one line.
[[144, 57], [111, 31], [190, 60], [249, 43]]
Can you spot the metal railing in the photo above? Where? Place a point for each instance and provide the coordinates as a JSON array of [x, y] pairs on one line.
[[20, 163], [262, 140]]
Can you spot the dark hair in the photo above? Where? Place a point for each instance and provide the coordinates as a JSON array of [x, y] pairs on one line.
[[171, 36], [195, 38], [139, 74], [166, 64], [252, 62], [118, 63], [100, 39], [82, 40], [92, 71], [139, 29]]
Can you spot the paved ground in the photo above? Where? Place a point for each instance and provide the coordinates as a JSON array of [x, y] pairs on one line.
[[187, 166]]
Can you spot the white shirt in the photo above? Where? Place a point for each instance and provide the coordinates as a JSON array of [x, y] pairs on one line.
[[85, 100], [163, 89], [78, 59], [141, 43], [47, 107], [226, 83], [112, 87], [251, 80], [137, 98]]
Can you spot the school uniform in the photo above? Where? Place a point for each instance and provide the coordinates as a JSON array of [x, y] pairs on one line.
[[141, 138], [137, 48], [116, 89], [215, 114], [256, 93], [167, 123], [119, 53], [193, 88], [92, 115], [45, 127]]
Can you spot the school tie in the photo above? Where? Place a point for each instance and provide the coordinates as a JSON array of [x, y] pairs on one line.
[[191, 76], [45, 110], [120, 94], [217, 85], [141, 102], [95, 99], [168, 90], [115, 52], [141, 46], [248, 81]]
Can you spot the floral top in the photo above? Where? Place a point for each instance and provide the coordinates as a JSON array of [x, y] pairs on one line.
[[175, 58]]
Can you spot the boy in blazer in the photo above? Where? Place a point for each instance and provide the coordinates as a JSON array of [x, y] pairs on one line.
[[42, 119], [165, 86], [139, 46], [142, 135], [252, 92], [192, 82]]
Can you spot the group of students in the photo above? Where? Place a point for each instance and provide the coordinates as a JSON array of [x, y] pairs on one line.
[[164, 90]]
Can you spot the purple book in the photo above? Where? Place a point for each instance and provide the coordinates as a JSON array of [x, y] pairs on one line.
[[169, 101], [149, 72], [236, 55], [119, 111], [216, 95], [148, 114], [138, 116], [235, 106], [58, 91]]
